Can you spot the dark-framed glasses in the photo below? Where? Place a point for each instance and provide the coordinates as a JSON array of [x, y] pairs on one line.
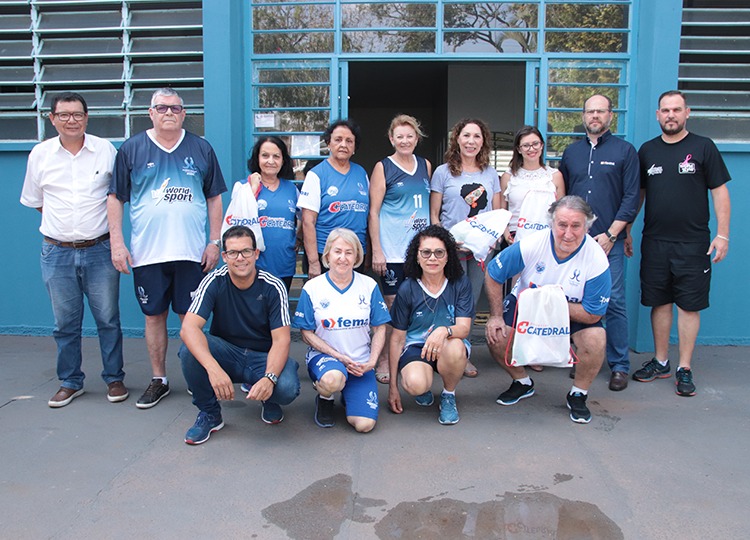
[[162, 109], [65, 116], [427, 253], [233, 253], [528, 146]]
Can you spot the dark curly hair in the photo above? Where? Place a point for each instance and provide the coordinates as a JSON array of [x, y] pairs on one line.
[[350, 125], [253, 164], [453, 269], [453, 153]]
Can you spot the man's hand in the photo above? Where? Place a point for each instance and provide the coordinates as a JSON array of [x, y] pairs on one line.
[[721, 246], [222, 385], [313, 270], [210, 258], [394, 399], [603, 241], [628, 244], [495, 328], [121, 259], [378, 262], [261, 390]]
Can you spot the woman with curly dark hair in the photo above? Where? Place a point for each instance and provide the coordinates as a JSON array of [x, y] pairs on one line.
[[464, 186], [431, 319]]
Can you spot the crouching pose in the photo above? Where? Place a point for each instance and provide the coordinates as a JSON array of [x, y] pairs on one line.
[[569, 257], [432, 317], [335, 314]]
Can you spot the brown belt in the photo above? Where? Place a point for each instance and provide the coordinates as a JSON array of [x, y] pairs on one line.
[[77, 244]]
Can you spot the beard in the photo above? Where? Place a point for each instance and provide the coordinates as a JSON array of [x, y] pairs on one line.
[[672, 130], [598, 130]]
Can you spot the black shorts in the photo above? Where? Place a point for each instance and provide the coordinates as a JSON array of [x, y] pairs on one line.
[[675, 272], [159, 285], [394, 276], [413, 353], [509, 313]]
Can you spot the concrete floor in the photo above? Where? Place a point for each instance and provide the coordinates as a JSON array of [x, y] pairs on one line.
[[650, 465]]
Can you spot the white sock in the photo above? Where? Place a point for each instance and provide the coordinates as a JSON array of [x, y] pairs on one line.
[[329, 398], [663, 364], [575, 389], [449, 393], [162, 379], [526, 381]]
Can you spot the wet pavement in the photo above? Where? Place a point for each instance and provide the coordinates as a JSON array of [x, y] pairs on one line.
[[650, 465]]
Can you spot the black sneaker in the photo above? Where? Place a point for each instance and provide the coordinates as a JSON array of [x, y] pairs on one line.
[[579, 413], [516, 392], [684, 382], [153, 394], [324, 412], [652, 370]]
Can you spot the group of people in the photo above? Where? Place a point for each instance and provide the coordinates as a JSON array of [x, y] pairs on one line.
[[418, 321]]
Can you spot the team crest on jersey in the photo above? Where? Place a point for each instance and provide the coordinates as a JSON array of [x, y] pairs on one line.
[[686, 167], [262, 204], [332, 191], [142, 296], [575, 277], [361, 188], [325, 303], [390, 277], [363, 300], [189, 167], [372, 401], [540, 267]]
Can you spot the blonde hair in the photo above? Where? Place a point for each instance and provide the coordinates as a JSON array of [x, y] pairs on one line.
[[406, 120], [348, 236]]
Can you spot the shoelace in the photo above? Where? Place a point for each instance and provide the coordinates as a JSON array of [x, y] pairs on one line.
[[685, 376]]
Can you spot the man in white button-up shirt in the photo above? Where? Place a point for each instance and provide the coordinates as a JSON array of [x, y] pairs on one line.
[[67, 178]]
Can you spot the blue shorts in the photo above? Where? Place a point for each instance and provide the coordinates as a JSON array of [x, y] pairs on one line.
[[509, 313], [394, 276], [161, 284], [413, 353], [360, 393]]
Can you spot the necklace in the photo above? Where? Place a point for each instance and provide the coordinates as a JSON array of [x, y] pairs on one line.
[[434, 306]]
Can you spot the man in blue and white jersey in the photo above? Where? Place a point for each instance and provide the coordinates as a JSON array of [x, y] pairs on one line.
[[564, 256], [172, 179], [248, 341]]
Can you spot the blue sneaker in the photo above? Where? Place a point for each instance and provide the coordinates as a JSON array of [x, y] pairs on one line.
[[448, 410], [271, 413], [245, 387], [426, 399], [204, 425]]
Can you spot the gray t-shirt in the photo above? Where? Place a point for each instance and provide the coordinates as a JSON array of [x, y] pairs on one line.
[[466, 195]]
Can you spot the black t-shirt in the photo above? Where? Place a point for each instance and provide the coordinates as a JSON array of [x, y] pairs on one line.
[[244, 318], [677, 177]]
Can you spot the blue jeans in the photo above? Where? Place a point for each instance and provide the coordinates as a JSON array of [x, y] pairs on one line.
[[243, 366], [616, 320], [70, 274]]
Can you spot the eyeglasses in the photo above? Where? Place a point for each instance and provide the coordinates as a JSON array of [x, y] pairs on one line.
[[528, 146], [233, 254], [162, 109], [596, 111], [65, 116], [427, 253]]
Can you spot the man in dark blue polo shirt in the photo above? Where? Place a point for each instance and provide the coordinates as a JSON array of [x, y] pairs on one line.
[[604, 171], [248, 341]]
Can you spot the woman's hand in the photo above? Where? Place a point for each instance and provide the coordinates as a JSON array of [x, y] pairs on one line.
[[434, 344]]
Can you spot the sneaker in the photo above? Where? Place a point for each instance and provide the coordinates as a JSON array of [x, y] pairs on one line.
[[245, 387], [271, 413], [426, 399], [684, 382], [652, 370], [515, 393], [63, 396], [153, 394], [117, 392], [579, 413], [204, 425], [324, 412], [448, 410]]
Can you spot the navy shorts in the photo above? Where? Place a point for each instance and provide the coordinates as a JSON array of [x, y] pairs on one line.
[[413, 353], [394, 276], [509, 313], [159, 285], [675, 272], [360, 393]]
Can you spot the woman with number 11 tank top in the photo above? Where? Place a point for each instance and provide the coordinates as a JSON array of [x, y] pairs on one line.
[[399, 209]]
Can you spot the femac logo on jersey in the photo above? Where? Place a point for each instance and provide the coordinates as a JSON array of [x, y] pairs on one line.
[[527, 327], [528, 225], [342, 323], [189, 167], [347, 206], [233, 220], [275, 223], [178, 194]]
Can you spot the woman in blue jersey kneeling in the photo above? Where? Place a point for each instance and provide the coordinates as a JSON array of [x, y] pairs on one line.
[[432, 317]]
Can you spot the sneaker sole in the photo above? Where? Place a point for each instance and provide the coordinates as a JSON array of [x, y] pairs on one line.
[[506, 403], [448, 423], [661, 376], [423, 404], [578, 420], [684, 394], [63, 403], [270, 422], [149, 405], [118, 399], [208, 436]]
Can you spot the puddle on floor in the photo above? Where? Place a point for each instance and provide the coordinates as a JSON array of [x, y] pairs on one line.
[[318, 512]]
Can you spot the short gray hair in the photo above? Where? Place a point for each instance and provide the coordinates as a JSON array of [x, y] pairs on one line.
[[576, 203], [166, 92], [348, 236]]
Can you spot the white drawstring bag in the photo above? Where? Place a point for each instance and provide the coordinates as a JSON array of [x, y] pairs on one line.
[[542, 328], [533, 215], [480, 233], [243, 210]]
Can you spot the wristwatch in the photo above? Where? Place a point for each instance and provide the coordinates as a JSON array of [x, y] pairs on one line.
[[450, 332], [612, 237], [216, 242], [271, 377]]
